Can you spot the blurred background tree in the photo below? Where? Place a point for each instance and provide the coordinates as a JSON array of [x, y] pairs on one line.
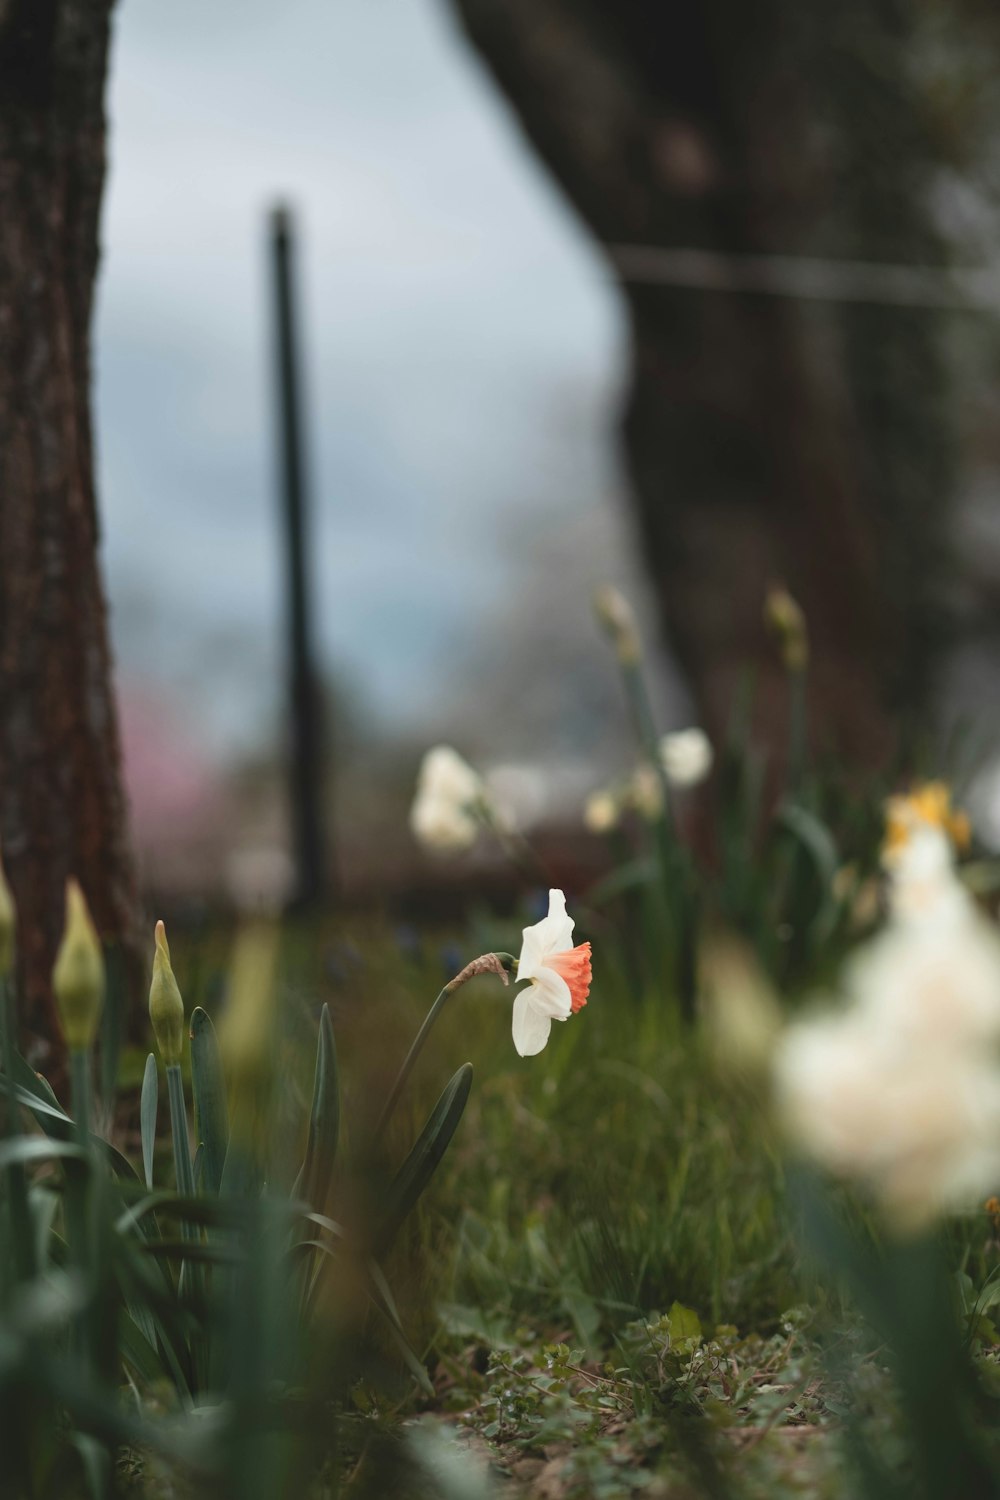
[[770, 437], [62, 809]]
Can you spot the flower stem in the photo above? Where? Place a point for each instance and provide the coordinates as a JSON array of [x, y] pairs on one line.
[[677, 874], [80, 1093], [797, 729], [522, 855], [501, 964], [179, 1131]]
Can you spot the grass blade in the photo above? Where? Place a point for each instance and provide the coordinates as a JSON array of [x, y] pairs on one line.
[[324, 1120]]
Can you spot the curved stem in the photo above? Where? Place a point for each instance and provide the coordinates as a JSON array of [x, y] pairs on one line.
[[501, 964]]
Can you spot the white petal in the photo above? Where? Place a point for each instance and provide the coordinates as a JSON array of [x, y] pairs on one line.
[[439, 825], [553, 934], [445, 775], [687, 756], [551, 994], [530, 1026]]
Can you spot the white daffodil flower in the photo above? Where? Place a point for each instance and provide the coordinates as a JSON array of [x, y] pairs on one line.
[[443, 816], [558, 975], [918, 1126], [900, 1089], [686, 756]]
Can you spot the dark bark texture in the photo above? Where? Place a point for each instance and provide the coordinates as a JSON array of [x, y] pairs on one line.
[[767, 439], [62, 809]]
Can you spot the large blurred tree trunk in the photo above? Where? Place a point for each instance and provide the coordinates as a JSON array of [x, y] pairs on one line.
[[767, 439], [61, 804]]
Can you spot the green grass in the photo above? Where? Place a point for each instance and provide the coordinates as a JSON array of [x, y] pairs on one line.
[[589, 1194]]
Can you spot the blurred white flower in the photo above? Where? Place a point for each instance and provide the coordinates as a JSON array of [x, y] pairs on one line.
[[923, 885], [901, 1090], [559, 977], [443, 816], [601, 811], [918, 1126], [927, 807], [933, 973], [686, 756]]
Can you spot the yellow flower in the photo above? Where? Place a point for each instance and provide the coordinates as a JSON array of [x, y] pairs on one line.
[[926, 806]]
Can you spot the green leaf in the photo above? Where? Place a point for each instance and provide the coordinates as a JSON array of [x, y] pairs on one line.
[[817, 843], [383, 1300], [324, 1119], [217, 1213], [685, 1328], [148, 1102], [30, 1149], [211, 1252], [211, 1113], [31, 1090], [138, 1352], [97, 1464], [242, 1175], [422, 1162]]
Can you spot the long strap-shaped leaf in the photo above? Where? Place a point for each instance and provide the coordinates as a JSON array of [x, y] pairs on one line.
[[210, 1110], [422, 1162], [29, 1089], [148, 1102], [314, 1179]]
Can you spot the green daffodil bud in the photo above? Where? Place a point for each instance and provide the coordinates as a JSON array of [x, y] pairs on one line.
[[617, 617], [78, 976], [783, 617], [166, 1008], [8, 918]]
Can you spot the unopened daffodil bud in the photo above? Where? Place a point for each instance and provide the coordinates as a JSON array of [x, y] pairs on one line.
[[601, 812], [617, 617], [247, 1031], [78, 975], [783, 617], [646, 792], [166, 1008], [8, 919], [741, 1011]]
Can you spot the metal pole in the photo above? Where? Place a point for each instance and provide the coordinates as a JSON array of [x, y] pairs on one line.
[[305, 749]]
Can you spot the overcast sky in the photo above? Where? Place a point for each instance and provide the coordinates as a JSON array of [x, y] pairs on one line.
[[463, 345]]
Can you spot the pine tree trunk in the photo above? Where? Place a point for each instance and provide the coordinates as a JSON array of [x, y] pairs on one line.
[[62, 809], [766, 439]]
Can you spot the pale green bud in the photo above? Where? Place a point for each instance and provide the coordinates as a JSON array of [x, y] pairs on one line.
[[740, 1009], [8, 923], [166, 1008], [618, 619], [784, 618], [78, 975]]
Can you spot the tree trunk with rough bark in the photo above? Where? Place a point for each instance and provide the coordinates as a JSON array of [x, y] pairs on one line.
[[767, 439], [62, 809]]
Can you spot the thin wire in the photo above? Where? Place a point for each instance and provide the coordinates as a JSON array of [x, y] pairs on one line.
[[956, 290]]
